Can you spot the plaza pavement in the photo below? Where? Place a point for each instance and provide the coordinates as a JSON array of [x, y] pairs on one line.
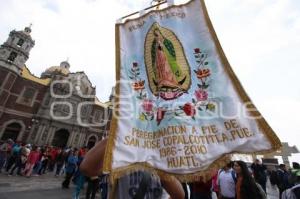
[[40, 187], [49, 187]]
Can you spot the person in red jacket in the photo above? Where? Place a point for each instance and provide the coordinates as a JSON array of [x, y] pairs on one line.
[[31, 161], [82, 152], [53, 154]]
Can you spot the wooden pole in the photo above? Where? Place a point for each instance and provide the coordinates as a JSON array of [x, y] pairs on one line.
[[160, 2]]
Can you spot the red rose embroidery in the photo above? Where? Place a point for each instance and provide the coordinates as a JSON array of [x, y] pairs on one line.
[[189, 109], [147, 105], [197, 50]]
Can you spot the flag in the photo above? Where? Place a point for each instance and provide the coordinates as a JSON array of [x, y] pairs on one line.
[[179, 108]]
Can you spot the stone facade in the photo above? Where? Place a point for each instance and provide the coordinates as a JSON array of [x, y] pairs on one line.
[[59, 108]]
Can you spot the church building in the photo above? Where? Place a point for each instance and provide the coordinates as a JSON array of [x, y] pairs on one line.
[[60, 108]]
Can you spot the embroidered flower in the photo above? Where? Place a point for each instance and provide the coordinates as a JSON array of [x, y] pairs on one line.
[[197, 50], [134, 64], [189, 109], [201, 95], [202, 73], [147, 105], [211, 107], [142, 117], [139, 85]]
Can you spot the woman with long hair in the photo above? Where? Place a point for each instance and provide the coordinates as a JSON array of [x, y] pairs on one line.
[[246, 187]]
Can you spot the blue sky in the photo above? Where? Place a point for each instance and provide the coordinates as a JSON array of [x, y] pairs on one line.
[[261, 40]]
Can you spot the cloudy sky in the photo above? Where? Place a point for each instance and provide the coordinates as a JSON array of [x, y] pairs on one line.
[[260, 38]]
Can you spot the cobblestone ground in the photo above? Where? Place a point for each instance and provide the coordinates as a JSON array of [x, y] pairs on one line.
[[40, 187], [49, 187]]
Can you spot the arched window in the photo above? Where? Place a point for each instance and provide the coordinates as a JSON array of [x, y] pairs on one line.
[[12, 57], [20, 42], [12, 131]]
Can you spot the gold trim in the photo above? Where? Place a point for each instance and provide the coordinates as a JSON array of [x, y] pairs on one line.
[[276, 144], [206, 174], [220, 162], [108, 156], [26, 74]]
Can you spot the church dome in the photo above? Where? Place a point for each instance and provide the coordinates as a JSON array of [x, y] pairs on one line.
[[65, 64], [63, 69]]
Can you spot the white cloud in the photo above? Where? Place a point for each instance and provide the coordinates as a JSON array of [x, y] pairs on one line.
[[262, 42], [79, 29], [281, 113], [250, 30]]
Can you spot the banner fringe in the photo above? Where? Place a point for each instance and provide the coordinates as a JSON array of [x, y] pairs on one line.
[[219, 163]]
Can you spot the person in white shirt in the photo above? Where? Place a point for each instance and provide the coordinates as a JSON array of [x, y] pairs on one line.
[[226, 181]]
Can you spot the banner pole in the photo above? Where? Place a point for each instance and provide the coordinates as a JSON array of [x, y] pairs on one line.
[[148, 8]]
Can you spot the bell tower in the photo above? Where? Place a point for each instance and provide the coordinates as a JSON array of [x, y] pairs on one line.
[[15, 51]]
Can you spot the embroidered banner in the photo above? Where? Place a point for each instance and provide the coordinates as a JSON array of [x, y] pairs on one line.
[[179, 107]]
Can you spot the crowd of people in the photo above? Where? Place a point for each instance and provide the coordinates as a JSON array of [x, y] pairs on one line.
[[236, 180], [26, 160]]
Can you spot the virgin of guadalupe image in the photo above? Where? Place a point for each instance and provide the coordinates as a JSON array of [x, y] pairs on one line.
[[168, 71]]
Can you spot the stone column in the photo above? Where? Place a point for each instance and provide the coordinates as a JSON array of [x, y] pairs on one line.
[[82, 139], [31, 133], [50, 135], [45, 141], [71, 137], [40, 134], [76, 140]]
